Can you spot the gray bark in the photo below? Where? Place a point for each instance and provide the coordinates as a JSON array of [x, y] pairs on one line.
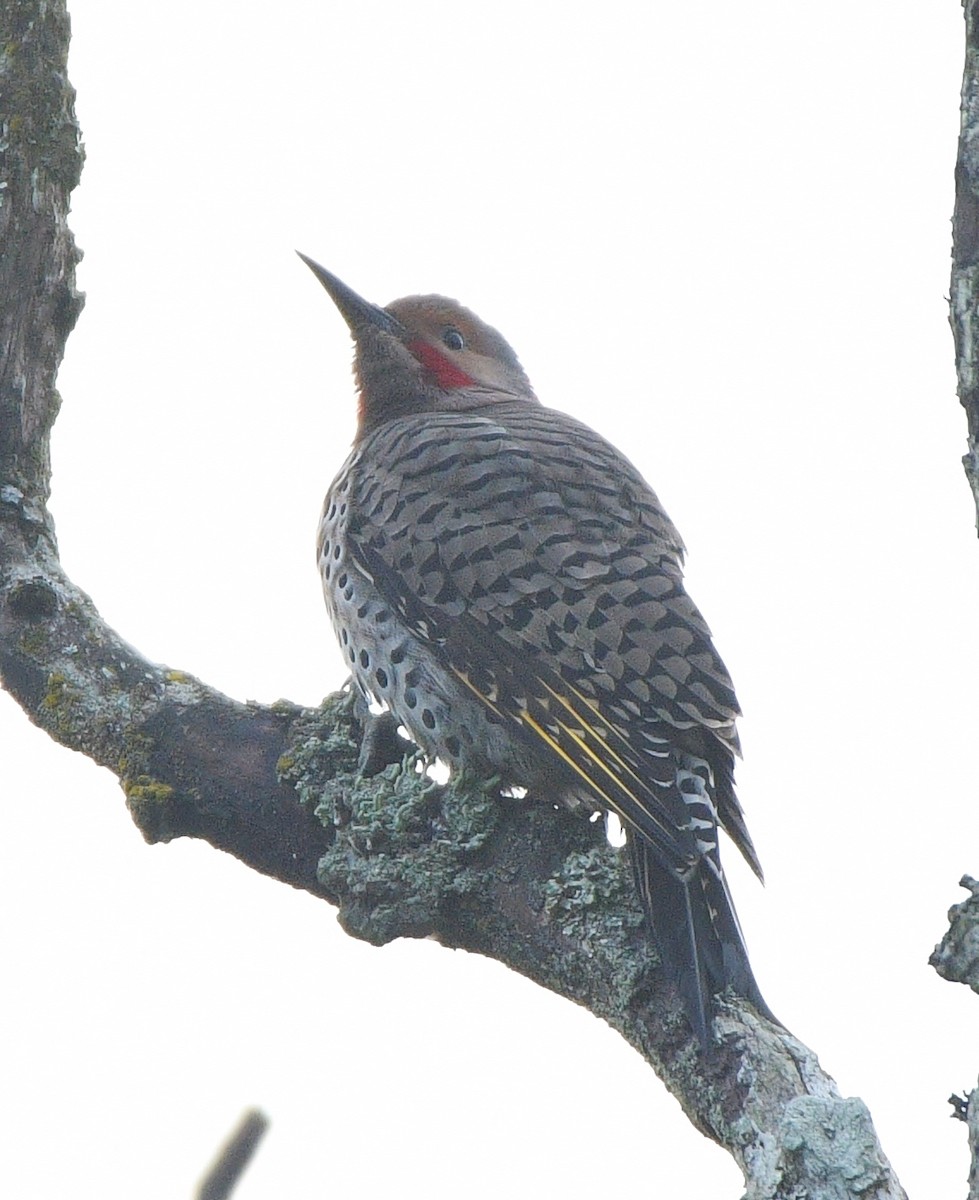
[[964, 293], [282, 787], [957, 956]]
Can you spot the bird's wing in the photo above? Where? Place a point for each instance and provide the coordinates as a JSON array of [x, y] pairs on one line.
[[544, 573]]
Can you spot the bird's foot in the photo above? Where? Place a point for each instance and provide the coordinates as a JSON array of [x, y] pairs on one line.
[[381, 745]]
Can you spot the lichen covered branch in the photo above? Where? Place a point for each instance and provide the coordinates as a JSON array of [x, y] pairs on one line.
[[956, 958], [964, 291]]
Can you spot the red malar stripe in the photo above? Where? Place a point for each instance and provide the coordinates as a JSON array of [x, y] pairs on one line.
[[447, 374]]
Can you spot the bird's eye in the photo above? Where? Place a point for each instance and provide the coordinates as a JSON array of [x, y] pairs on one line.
[[452, 338]]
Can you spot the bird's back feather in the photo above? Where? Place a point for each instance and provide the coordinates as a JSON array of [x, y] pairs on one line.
[[530, 562]]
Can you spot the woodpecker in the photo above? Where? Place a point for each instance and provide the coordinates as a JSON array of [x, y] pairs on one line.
[[507, 584]]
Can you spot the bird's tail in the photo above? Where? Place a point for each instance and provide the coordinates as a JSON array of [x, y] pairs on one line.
[[698, 934]]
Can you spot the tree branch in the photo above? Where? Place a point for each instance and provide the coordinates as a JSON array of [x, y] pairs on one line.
[[281, 787], [226, 1171], [956, 958], [964, 293]]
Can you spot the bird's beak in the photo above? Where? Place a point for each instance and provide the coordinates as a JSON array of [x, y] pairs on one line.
[[355, 310]]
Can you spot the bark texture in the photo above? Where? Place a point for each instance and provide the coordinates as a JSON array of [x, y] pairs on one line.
[[294, 793], [964, 293], [956, 958], [972, 1120]]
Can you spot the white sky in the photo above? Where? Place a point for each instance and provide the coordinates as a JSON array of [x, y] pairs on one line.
[[720, 234]]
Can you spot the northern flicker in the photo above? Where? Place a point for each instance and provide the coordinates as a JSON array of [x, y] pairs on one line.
[[505, 582]]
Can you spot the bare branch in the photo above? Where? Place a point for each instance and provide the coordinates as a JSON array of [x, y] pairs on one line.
[[234, 1157], [536, 888], [972, 1118], [964, 302], [956, 957]]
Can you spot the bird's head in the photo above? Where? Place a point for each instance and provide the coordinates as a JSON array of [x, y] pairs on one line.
[[423, 354]]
